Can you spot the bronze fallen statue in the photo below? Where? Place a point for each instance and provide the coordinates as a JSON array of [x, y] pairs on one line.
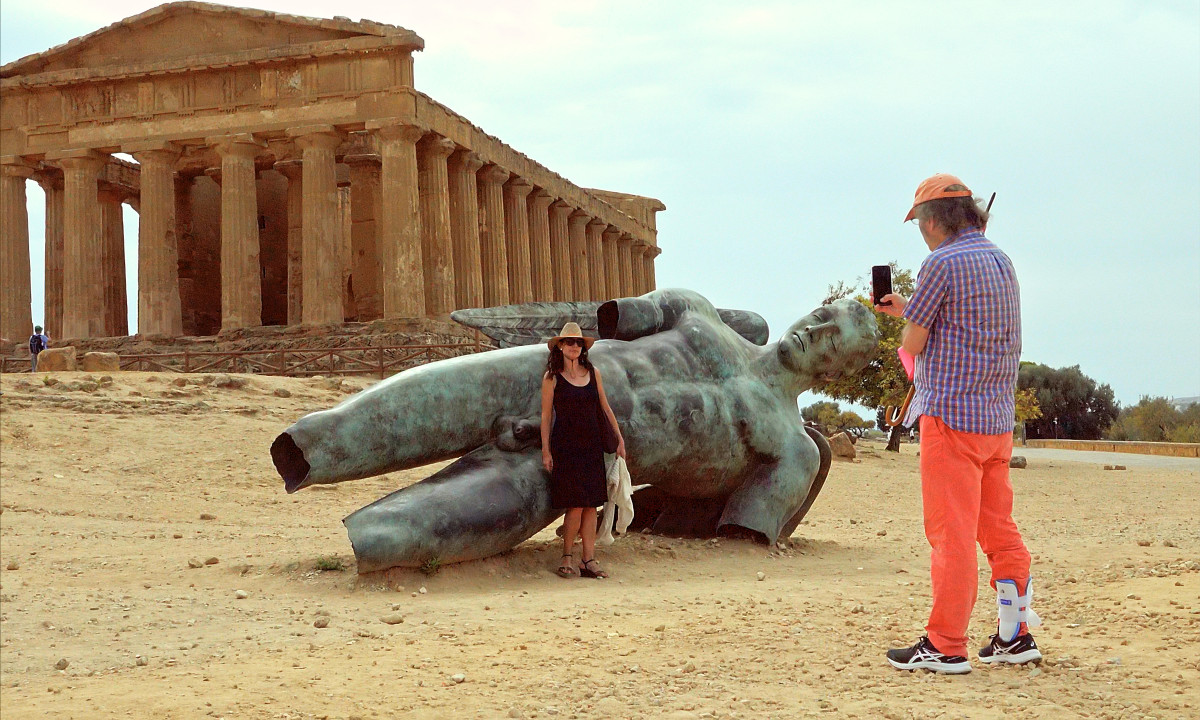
[[708, 412]]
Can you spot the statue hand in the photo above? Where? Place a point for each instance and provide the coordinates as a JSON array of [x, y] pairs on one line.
[[547, 461]]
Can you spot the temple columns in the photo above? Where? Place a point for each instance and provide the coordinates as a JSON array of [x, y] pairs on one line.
[[560, 251], [540, 265], [612, 270], [16, 315], [578, 262], [293, 171], [648, 257], [436, 247], [595, 252], [401, 269], [112, 261], [322, 232], [365, 209], [83, 296], [625, 264], [464, 228], [241, 288], [159, 311], [51, 180], [516, 236], [491, 235], [639, 268]]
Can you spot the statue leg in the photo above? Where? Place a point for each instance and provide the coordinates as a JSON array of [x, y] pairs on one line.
[[486, 502], [773, 494]]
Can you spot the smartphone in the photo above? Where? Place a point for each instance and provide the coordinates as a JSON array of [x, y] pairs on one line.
[[881, 282]]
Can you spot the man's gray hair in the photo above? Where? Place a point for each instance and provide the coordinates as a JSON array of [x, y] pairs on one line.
[[954, 214]]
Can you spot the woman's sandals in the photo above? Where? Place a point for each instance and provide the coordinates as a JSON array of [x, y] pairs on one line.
[[586, 570], [567, 570]]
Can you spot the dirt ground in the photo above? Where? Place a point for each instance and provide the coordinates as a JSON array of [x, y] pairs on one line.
[[111, 491]]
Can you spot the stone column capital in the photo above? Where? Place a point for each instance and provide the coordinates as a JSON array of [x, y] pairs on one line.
[[540, 199], [625, 239], [16, 166], [519, 186], [150, 146], [50, 178], [465, 161], [291, 169], [438, 146], [612, 234], [240, 145], [107, 192], [596, 224], [166, 155], [579, 216], [493, 174], [89, 160], [362, 159], [324, 137], [395, 130], [561, 206]]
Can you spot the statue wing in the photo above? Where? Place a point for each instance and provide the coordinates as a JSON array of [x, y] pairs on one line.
[[622, 319]]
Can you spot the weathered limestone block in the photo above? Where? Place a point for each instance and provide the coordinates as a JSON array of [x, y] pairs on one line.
[[96, 361], [53, 359], [842, 446]]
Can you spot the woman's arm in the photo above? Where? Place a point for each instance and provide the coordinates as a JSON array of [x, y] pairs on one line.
[[612, 418], [547, 419]]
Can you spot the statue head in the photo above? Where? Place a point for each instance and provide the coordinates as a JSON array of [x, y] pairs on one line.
[[831, 341]]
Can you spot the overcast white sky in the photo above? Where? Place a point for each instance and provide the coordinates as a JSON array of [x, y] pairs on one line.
[[786, 139]]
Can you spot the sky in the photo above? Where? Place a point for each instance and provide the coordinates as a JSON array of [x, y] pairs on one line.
[[787, 138]]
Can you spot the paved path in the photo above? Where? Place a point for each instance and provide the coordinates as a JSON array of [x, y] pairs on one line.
[[1129, 460]]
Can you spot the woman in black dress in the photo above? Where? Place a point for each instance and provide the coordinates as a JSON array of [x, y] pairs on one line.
[[573, 406]]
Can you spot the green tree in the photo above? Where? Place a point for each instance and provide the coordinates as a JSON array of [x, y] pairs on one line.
[[883, 381], [1155, 419], [824, 414], [853, 423], [1072, 405]]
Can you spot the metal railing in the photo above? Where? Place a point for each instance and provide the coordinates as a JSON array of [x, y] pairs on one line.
[[293, 362]]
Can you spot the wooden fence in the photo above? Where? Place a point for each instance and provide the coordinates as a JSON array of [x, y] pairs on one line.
[[295, 362]]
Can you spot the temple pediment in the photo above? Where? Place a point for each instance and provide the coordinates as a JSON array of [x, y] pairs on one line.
[[170, 33]]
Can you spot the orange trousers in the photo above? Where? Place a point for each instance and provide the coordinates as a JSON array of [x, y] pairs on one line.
[[967, 497]]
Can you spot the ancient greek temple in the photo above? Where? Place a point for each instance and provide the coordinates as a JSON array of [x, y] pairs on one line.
[[287, 172]]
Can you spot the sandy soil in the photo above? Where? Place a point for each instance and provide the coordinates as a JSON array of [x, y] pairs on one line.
[[110, 493]]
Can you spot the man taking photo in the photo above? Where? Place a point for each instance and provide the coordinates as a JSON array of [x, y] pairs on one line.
[[964, 329]]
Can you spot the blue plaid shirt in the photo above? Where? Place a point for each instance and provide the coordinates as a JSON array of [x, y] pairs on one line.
[[968, 297]]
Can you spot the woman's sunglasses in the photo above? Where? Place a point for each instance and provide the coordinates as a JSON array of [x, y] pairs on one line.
[[577, 342]]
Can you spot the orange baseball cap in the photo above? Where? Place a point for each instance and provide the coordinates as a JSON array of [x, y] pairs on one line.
[[934, 188]]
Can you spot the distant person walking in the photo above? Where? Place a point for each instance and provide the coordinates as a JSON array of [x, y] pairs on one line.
[[38, 342], [964, 328]]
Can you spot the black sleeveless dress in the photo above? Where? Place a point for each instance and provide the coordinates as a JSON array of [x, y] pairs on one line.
[[578, 478]]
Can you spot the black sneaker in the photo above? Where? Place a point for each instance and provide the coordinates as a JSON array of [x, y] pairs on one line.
[[925, 656], [1021, 650]]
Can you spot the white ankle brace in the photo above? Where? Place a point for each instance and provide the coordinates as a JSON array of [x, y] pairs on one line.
[[1014, 609]]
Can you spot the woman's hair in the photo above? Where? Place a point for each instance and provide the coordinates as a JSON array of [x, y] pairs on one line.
[[954, 214], [556, 361]]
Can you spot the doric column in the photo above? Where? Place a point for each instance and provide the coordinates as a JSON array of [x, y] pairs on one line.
[[612, 269], [493, 248], [436, 244], [16, 314], [241, 283], [648, 272], [294, 172], [625, 264], [51, 180], [639, 267], [112, 261], [401, 272], [560, 251], [322, 231], [158, 250], [464, 229], [580, 275], [541, 267], [365, 208], [83, 291], [595, 251], [516, 238]]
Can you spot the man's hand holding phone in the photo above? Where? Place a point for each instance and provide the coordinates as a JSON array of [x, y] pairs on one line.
[[894, 304]]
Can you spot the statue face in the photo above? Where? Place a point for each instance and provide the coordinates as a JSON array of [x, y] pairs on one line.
[[831, 341]]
